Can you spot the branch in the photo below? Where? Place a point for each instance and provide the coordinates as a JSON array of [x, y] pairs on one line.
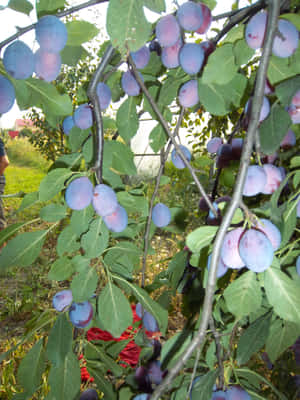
[[168, 132], [61, 14], [98, 137], [220, 385], [237, 195]]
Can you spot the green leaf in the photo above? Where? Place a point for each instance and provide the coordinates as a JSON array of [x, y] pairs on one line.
[[48, 6], [243, 296], [201, 237], [170, 86], [22, 250], [221, 67], [77, 137], [71, 55], [53, 212], [53, 183], [67, 241], [174, 348], [127, 119], [95, 352], [135, 204], [273, 129], [160, 314], [80, 32], [10, 230], [203, 387], [31, 368], [95, 241], [81, 219], [157, 138], [28, 200], [236, 33], [114, 310], [293, 18], [126, 24], [102, 384], [158, 6], [23, 6], [282, 335], [253, 338], [289, 222], [286, 90], [64, 379], [84, 285], [283, 68], [121, 157], [123, 258], [287, 304], [61, 269], [59, 341], [210, 3], [242, 52]]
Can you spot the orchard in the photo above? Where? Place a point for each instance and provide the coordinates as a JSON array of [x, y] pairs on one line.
[[237, 271]]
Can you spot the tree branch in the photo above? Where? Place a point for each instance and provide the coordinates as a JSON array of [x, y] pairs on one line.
[[274, 7], [61, 14]]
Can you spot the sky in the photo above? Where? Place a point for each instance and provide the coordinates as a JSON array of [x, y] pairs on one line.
[[9, 19]]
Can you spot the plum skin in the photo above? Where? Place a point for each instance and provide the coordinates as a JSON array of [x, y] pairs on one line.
[[7, 94], [177, 160], [79, 193], [161, 215], [18, 60], [81, 314], [51, 34], [104, 200]]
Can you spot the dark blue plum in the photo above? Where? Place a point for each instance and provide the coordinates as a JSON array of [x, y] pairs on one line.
[[256, 250], [237, 147], [219, 395], [105, 200], [191, 58], [170, 55], [213, 145], [79, 193], [89, 394], [190, 16], [207, 19], [141, 57], [139, 310], [142, 379], [129, 84], [271, 231], [230, 249], [161, 215], [237, 393], [188, 94], [117, 221], [104, 95], [47, 65], [51, 34], [68, 124], [150, 322], [18, 60], [255, 182], [7, 95], [167, 30], [224, 154], [222, 268], [177, 160], [154, 372], [298, 265], [83, 116], [286, 42], [256, 29], [62, 299], [81, 314], [143, 396]]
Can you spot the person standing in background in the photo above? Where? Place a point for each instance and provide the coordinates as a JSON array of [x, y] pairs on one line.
[[4, 162]]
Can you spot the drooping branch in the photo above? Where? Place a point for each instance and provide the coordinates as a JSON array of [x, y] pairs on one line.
[[274, 7], [166, 128], [98, 136], [61, 14]]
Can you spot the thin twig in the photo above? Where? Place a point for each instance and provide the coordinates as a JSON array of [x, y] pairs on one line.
[[168, 132], [98, 138], [61, 14], [237, 195], [219, 355]]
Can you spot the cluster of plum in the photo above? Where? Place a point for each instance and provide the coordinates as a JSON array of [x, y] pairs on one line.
[[20, 62], [80, 193], [80, 314]]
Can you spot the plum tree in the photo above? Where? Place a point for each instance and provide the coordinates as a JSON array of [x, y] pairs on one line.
[[104, 200], [141, 57], [129, 84], [286, 41], [255, 250], [191, 57], [81, 314], [161, 215], [47, 65], [68, 124], [79, 193], [7, 95], [230, 249], [167, 30], [170, 55], [255, 30], [89, 394], [177, 160], [116, 221], [256, 180], [104, 95], [62, 299], [18, 60], [188, 94], [51, 34], [83, 116], [190, 16]]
